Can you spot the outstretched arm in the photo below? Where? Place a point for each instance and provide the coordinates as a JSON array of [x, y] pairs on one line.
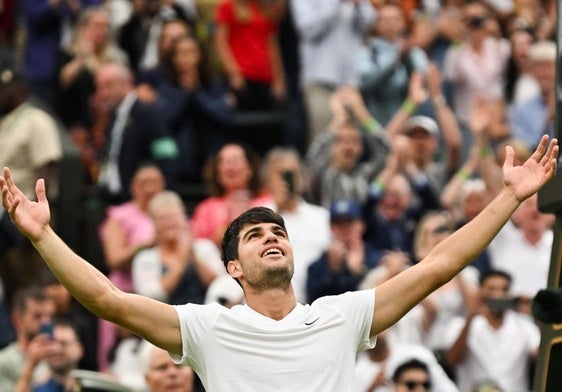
[[150, 319], [398, 295]]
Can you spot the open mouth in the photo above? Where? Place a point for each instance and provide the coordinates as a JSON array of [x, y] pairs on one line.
[[272, 252]]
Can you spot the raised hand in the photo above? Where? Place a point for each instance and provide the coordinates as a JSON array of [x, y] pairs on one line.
[[30, 217], [528, 178]]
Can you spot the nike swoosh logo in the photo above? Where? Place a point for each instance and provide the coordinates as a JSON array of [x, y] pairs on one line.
[[311, 322]]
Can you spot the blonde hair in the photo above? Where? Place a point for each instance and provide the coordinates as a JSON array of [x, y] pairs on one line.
[[165, 198]]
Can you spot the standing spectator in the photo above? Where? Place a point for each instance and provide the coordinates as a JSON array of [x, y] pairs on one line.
[[46, 23], [196, 107], [140, 34], [330, 32], [493, 342], [522, 249], [347, 259], [477, 66], [77, 64], [30, 309], [30, 143], [534, 116], [179, 268], [62, 352], [246, 40], [136, 134], [386, 61], [308, 225], [233, 174]]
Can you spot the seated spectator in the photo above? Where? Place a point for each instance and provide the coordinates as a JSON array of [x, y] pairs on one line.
[[163, 375], [379, 369], [233, 174], [179, 268], [127, 229], [196, 107], [30, 309], [308, 225], [61, 351], [492, 343], [346, 260]]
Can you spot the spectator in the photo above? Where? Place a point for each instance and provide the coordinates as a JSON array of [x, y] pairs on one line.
[[331, 32], [344, 161], [136, 135], [225, 291], [62, 352], [535, 115], [140, 34], [30, 143], [77, 64], [381, 367], [233, 174], [148, 81], [196, 107], [68, 310], [308, 225], [520, 84], [386, 61], [493, 342], [45, 24], [522, 249], [346, 260], [179, 268], [163, 375], [410, 375], [30, 309], [126, 229]]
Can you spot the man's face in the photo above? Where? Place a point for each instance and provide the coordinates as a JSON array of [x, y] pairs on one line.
[[544, 72], [413, 380], [111, 87], [495, 287], [163, 375], [265, 258], [346, 149], [36, 313], [67, 350]]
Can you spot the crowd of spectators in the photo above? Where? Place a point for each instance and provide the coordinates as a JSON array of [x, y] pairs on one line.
[[374, 127]]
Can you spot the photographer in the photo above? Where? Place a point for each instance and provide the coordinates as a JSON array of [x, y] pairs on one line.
[[495, 343]]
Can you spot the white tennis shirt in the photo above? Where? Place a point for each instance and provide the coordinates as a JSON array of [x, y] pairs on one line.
[[312, 349]]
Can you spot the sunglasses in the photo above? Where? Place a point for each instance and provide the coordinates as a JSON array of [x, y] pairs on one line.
[[411, 385]]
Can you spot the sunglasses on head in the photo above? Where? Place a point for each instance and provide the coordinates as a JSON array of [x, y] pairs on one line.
[[411, 385]]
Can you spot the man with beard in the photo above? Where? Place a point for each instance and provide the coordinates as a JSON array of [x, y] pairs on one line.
[[273, 343], [495, 343], [62, 351]]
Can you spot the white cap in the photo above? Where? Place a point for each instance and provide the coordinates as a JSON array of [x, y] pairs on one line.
[[422, 122]]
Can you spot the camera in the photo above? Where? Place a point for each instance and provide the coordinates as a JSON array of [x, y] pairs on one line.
[[289, 178], [502, 303]]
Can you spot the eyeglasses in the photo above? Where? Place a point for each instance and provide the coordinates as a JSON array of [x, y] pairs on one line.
[[411, 385]]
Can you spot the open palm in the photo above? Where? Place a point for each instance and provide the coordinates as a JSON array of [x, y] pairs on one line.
[[30, 217], [528, 178]]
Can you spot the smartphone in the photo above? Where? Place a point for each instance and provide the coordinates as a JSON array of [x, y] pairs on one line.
[[47, 329], [502, 304], [289, 178]]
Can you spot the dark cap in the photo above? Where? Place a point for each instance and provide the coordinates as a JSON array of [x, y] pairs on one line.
[[345, 209]]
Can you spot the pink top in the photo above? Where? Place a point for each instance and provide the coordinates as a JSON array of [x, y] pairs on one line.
[[212, 213], [138, 228]]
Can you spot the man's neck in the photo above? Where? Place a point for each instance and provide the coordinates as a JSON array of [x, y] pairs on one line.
[[273, 303]]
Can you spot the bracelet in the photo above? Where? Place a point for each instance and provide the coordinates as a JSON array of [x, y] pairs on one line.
[[408, 106], [463, 174], [485, 152], [371, 125]]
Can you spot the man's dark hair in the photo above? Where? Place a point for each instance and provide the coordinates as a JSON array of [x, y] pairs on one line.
[[22, 295], [252, 216], [492, 273], [409, 365]]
